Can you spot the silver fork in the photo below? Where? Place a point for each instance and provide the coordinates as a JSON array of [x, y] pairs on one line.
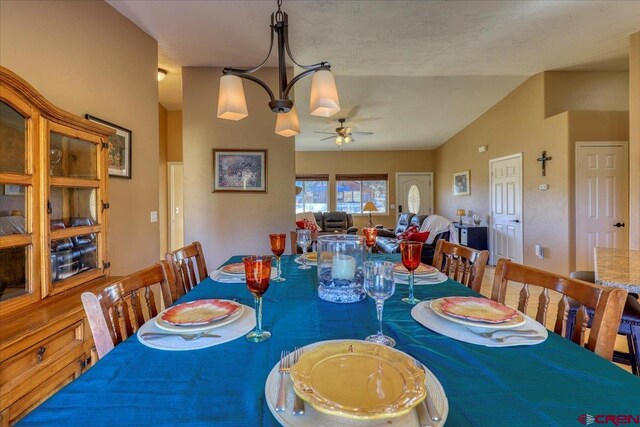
[[186, 337], [284, 368], [529, 333], [298, 405]]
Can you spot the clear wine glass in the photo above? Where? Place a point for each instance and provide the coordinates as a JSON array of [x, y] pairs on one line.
[[278, 242], [411, 253], [379, 285], [304, 240], [258, 272]]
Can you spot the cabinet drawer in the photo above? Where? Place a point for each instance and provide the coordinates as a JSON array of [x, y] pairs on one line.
[[36, 396], [42, 354]]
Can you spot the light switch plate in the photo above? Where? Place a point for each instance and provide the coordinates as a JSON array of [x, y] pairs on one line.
[[543, 187], [154, 216]]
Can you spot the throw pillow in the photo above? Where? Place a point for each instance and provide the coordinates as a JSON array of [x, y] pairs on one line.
[[309, 216], [405, 235], [418, 237], [300, 224], [310, 225]]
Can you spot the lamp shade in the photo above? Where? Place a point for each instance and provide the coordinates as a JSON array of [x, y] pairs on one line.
[[369, 207], [287, 124], [461, 212], [232, 104], [324, 95], [339, 141], [161, 74]]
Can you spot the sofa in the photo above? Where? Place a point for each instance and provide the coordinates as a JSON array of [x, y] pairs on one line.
[[388, 242], [72, 255]]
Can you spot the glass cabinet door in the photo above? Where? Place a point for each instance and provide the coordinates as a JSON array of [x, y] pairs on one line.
[[74, 207], [16, 239]]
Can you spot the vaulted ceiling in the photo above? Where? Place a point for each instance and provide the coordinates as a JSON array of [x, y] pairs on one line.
[[413, 72]]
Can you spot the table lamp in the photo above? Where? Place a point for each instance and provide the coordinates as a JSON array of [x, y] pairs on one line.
[[369, 207], [461, 213]]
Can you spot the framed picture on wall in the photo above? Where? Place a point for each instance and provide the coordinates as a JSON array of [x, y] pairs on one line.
[[119, 149], [14, 190], [239, 171], [461, 184]]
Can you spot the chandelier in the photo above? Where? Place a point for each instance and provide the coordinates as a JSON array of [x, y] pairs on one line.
[[324, 102]]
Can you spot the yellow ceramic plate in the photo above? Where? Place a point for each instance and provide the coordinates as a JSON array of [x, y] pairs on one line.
[[359, 380], [423, 270], [311, 256]]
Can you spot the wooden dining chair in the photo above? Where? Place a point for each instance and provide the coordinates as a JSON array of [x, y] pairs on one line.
[[606, 302], [120, 309], [463, 264], [182, 262]]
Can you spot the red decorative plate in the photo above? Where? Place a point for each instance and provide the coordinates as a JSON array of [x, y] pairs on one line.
[[199, 312], [478, 309], [236, 269], [422, 270]]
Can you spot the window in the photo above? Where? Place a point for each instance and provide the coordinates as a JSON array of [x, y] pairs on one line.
[[312, 193], [353, 191]]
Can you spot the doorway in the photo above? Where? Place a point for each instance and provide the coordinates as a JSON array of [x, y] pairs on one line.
[[505, 235], [414, 192], [176, 213], [602, 177]]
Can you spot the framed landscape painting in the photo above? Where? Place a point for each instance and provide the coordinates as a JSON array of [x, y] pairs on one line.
[[461, 184], [239, 171], [119, 149]]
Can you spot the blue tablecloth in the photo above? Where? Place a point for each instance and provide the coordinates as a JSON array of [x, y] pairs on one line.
[[548, 384]]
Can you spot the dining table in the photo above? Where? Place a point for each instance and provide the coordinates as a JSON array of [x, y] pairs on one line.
[[555, 382]]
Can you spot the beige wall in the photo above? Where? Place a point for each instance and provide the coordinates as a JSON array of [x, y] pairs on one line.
[[390, 162], [162, 180], [634, 141], [174, 136], [586, 90], [517, 124], [233, 223], [87, 58]]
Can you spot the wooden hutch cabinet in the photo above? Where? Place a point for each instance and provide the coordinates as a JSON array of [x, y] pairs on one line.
[[53, 242]]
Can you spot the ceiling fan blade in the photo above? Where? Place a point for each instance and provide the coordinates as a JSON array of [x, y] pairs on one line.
[[329, 137], [362, 133], [326, 133]]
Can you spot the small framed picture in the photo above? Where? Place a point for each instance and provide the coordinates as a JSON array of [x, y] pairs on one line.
[[119, 149], [461, 185], [239, 171], [14, 190]]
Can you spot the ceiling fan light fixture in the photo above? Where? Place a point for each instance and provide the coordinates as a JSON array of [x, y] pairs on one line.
[[324, 94], [339, 141], [287, 124], [232, 104], [348, 139]]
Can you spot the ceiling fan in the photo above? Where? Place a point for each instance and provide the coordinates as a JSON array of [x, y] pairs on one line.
[[343, 134]]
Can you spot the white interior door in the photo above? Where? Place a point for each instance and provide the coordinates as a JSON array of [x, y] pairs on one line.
[[413, 193], [176, 214], [506, 208], [602, 177]]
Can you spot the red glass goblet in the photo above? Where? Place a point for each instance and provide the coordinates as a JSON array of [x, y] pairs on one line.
[[278, 242], [370, 234], [258, 273], [411, 252]]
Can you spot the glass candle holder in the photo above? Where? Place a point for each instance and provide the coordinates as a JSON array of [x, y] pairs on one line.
[[340, 276]]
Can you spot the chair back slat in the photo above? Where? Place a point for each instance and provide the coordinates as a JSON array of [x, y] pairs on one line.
[[461, 263], [182, 263], [607, 303], [523, 301], [121, 312], [543, 306]]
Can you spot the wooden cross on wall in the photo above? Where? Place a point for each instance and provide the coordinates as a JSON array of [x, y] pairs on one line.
[[544, 159]]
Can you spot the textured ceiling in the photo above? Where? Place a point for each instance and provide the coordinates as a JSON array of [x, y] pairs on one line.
[[414, 72]]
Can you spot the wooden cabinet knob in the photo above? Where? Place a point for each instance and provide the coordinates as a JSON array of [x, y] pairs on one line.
[[41, 351]]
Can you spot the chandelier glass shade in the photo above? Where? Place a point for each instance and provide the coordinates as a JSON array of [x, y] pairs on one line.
[[324, 101]]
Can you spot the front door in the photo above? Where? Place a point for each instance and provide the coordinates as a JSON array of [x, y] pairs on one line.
[[413, 193], [506, 208], [601, 199]]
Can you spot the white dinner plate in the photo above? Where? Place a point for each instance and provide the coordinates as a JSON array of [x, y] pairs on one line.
[[313, 418], [419, 281], [162, 324], [509, 324]]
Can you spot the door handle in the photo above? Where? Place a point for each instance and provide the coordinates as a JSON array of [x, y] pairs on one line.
[[619, 224], [514, 220]]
